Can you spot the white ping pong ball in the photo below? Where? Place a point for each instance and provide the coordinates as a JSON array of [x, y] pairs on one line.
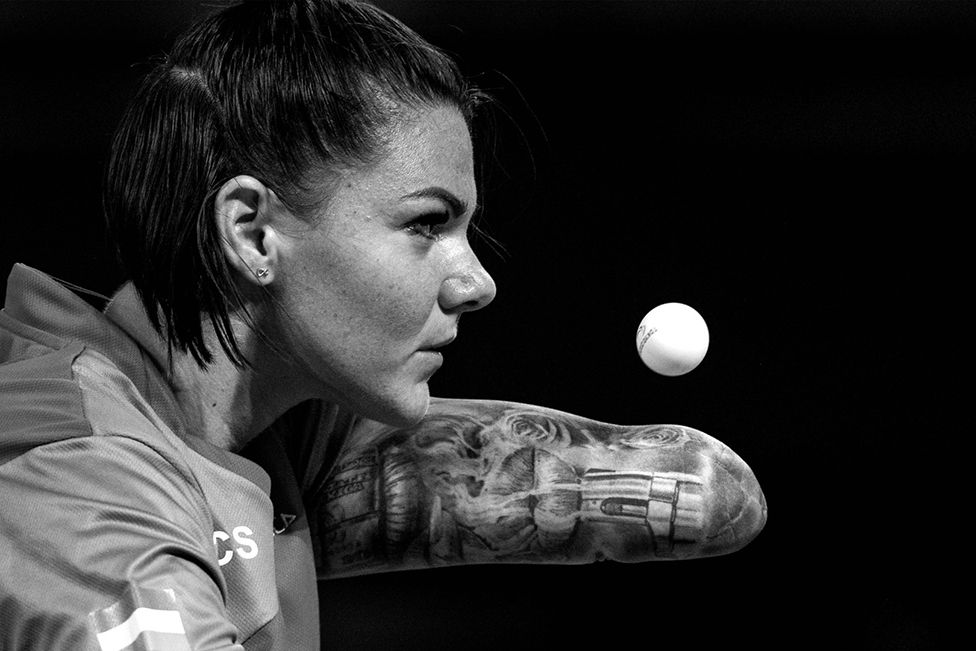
[[672, 339]]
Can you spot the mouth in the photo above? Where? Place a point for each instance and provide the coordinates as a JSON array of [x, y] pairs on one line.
[[433, 357], [435, 348]]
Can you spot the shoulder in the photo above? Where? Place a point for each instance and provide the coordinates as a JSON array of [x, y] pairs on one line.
[[72, 393], [70, 419], [41, 401]]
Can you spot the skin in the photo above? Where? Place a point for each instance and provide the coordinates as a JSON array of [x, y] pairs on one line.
[[362, 293], [482, 481]]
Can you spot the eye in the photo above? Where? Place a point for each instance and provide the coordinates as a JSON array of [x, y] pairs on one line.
[[428, 225]]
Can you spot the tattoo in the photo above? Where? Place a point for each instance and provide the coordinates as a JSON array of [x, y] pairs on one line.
[[480, 482]]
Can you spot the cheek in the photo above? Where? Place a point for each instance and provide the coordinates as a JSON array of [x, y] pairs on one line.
[[399, 305], [377, 298]]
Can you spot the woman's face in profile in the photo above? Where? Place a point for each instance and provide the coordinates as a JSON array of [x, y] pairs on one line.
[[384, 276]]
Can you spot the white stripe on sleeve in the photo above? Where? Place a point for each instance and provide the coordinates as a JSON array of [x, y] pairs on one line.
[[142, 620]]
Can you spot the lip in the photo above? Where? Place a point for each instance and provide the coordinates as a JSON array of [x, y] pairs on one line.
[[431, 361], [435, 348]]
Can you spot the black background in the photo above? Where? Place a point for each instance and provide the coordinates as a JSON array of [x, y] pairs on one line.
[[795, 171]]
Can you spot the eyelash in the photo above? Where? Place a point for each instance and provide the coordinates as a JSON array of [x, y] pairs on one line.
[[426, 226]]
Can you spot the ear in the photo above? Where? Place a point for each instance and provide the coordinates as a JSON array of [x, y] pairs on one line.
[[243, 210]]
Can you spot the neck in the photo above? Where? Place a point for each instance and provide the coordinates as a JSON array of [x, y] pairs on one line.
[[230, 405]]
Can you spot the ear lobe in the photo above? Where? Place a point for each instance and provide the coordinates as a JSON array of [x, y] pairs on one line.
[[241, 210]]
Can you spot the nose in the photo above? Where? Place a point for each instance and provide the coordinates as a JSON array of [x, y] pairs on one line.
[[468, 289]]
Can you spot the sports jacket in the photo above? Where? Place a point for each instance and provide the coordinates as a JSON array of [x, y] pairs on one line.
[[119, 527]]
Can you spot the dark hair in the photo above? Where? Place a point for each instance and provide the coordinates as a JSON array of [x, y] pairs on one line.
[[277, 90]]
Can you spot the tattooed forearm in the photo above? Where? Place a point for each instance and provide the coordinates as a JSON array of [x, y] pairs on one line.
[[481, 481]]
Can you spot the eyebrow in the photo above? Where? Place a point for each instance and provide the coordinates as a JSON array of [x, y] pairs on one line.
[[458, 206]]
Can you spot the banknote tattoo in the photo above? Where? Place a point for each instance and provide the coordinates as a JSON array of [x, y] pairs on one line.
[[487, 482]]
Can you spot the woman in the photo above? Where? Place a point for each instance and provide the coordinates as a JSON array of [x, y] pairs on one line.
[[290, 194]]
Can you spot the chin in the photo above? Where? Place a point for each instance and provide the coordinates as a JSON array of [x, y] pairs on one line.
[[404, 411]]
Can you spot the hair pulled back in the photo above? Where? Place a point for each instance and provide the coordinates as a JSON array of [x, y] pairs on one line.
[[282, 91]]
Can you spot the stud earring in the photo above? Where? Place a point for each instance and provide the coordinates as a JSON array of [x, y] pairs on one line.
[[262, 272]]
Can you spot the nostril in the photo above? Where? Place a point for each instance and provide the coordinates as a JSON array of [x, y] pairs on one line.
[[467, 292]]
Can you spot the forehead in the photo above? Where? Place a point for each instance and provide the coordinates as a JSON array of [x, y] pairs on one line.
[[427, 147]]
